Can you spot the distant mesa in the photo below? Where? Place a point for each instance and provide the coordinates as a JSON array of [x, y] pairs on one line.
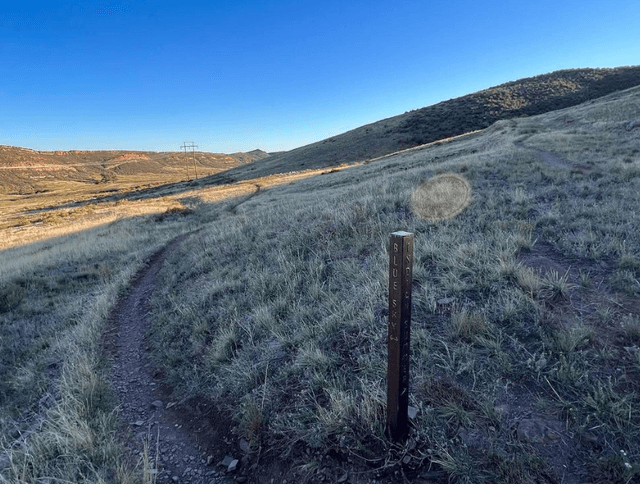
[[26, 171]]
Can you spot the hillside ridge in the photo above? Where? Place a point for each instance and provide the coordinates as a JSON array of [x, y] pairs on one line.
[[524, 97], [447, 119]]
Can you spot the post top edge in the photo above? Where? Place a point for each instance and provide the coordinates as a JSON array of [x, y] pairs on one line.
[[402, 233]]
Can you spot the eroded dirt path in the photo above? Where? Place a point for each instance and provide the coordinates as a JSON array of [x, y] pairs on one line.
[[184, 429]]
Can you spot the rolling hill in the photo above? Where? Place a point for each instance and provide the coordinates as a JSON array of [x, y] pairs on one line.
[[25, 171], [265, 311], [524, 97]]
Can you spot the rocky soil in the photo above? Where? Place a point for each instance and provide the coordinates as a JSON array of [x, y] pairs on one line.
[[188, 437]]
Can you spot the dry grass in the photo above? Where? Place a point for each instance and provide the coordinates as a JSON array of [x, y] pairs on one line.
[[58, 281], [289, 300], [55, 297], [282, 295], [25, 224]]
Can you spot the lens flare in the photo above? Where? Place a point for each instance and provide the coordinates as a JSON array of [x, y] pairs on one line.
[[441, 197]]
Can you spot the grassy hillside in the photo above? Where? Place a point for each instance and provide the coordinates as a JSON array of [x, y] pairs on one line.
[[526, 311], [525, 331], [524, 97], [55, 297]]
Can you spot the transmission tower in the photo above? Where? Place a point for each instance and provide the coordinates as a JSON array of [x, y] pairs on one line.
[[192, 147]]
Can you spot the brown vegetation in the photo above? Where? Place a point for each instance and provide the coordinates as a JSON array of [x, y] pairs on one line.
[[24, 171]]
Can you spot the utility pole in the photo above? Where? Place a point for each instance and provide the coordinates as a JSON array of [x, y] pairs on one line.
[[186, 161], [192, 147]]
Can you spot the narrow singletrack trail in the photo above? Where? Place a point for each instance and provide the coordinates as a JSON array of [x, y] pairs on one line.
[[554, 159], [184, 448]]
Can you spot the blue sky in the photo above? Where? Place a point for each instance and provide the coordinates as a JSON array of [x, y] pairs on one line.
[[239, 75]]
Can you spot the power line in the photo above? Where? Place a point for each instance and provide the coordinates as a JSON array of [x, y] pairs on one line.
[[192, 147]]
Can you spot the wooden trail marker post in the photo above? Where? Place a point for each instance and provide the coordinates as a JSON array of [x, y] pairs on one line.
[[399, 342]]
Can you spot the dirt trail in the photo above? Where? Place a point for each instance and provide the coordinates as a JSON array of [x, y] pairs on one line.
[[186, 434], [556, 160]]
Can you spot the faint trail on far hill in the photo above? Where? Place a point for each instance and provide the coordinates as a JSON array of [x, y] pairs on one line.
[[556, 160], [144, 400]]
